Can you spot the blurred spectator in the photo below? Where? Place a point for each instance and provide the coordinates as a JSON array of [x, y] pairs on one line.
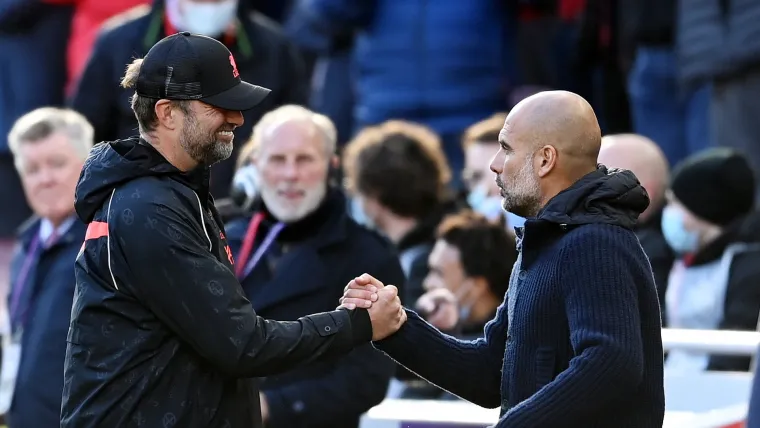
[[397, 173], [600, 60], [49, 148], [470, 266], [88, 17], [444, 64], [644, 158], [718, 45], [472, 260], [710, 222], [480, 144], [547, 31], [261, 53], [294, 253], [673, 115], [33, 37]]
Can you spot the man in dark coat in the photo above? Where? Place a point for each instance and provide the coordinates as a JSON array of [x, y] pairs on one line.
[[161, 331], [295, 251], [578, 342]]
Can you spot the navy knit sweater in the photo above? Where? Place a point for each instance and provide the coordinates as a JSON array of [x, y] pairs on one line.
[[577, 342]]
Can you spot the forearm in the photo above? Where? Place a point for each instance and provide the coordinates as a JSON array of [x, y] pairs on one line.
[[277, 346], [447, 362], [352, 386]]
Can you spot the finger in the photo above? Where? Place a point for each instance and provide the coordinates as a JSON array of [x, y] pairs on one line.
[[352, 303], [361, 294], [391, 290], [366, 279], [354, 285]]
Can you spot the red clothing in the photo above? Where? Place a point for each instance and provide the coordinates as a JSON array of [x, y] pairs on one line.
[[88, 18]]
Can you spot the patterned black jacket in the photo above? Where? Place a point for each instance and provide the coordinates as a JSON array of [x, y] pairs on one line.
[[161, 333]]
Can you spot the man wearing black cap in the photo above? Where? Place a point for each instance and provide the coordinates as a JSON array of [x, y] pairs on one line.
[[709, 221], [161, 333]]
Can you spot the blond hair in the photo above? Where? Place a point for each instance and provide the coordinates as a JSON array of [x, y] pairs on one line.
[[283, 114], [46, 121], [485, 131]]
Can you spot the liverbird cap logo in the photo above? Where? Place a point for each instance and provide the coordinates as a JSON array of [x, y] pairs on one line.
[[235, 72]]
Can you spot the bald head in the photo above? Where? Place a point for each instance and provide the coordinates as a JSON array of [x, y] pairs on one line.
[[549, 141], [560, 119], [641, 156]]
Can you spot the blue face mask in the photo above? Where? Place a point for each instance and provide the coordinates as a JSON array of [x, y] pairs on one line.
[[357, 213], [492, 207], [682, 241]]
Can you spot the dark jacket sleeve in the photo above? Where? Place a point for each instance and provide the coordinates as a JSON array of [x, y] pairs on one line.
[[18, 15], [605, 333], [315, 24], [741, 308], [96, 93], [170, 269], [356, 383], [450, 363]]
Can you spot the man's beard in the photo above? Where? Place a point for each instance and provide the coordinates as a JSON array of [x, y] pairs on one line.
[[201, 145], [286, 212], [523, 197]]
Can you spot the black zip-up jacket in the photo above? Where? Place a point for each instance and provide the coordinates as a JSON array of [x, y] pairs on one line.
[[161, 333]]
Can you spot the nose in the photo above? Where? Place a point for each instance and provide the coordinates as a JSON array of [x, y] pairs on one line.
[[235, 118], [497, 163], [290, 170]]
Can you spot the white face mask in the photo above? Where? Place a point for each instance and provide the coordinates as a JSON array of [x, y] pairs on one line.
[[208, 19]]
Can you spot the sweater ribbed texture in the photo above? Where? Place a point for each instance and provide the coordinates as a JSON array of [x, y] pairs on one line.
[[584, 347]]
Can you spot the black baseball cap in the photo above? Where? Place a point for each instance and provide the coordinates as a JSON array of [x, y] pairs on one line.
[[187, 66]]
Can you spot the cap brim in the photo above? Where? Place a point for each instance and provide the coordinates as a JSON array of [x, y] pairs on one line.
[[240, 97]]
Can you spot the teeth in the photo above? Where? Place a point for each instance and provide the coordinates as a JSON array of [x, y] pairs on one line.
[[228, 133]]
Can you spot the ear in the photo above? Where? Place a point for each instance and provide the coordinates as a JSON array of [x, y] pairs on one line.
[[167, 115], [547, 159], [334, 162]]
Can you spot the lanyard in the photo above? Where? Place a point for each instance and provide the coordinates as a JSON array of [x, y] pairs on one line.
[[242, 270], [21, 281]]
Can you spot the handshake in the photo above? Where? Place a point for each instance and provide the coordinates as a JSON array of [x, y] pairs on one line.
[[381, 301]]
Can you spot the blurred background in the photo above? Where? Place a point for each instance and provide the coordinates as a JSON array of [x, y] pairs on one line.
[[412, 94]]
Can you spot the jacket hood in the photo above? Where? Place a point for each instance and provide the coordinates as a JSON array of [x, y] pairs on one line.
[[112, 164], [608, 196]]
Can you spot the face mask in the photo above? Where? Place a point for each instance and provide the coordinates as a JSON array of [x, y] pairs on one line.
[[465, 308], [489, 206], [208, 19], [682, 241], [357, 213]]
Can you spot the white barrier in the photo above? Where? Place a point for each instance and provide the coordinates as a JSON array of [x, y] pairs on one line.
[[712, 341], [709, 400]]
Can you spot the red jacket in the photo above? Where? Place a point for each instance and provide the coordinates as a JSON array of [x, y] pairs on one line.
[[88, 17]]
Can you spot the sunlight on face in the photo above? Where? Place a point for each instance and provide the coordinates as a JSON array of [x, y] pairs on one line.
[[49, 173], [293, 164]]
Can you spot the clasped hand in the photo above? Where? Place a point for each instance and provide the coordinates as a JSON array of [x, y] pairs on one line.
[[380, 300]]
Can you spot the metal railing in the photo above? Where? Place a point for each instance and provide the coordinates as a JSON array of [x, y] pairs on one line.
[[722, 342]]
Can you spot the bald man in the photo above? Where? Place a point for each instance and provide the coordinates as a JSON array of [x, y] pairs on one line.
[[646, 160], [578, 342]]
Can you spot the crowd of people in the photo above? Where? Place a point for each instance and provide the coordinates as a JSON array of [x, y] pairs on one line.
[[371, 150]]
